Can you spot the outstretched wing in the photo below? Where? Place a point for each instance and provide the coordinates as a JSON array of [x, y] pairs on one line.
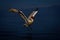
[[20, 13], [32, 15], [23, 16]]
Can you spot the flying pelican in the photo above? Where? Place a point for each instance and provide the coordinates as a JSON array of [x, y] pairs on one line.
[[28, 20]]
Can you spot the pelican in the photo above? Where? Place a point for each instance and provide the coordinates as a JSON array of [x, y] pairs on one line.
[[28, 20]]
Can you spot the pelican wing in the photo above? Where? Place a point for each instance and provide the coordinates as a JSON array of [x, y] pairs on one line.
[[20, 13], [23, 16], [33, 13]]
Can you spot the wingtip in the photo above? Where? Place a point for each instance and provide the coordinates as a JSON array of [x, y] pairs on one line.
[[13, 10]]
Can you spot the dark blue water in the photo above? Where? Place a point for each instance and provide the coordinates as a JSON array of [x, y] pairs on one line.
[[45, 27]]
